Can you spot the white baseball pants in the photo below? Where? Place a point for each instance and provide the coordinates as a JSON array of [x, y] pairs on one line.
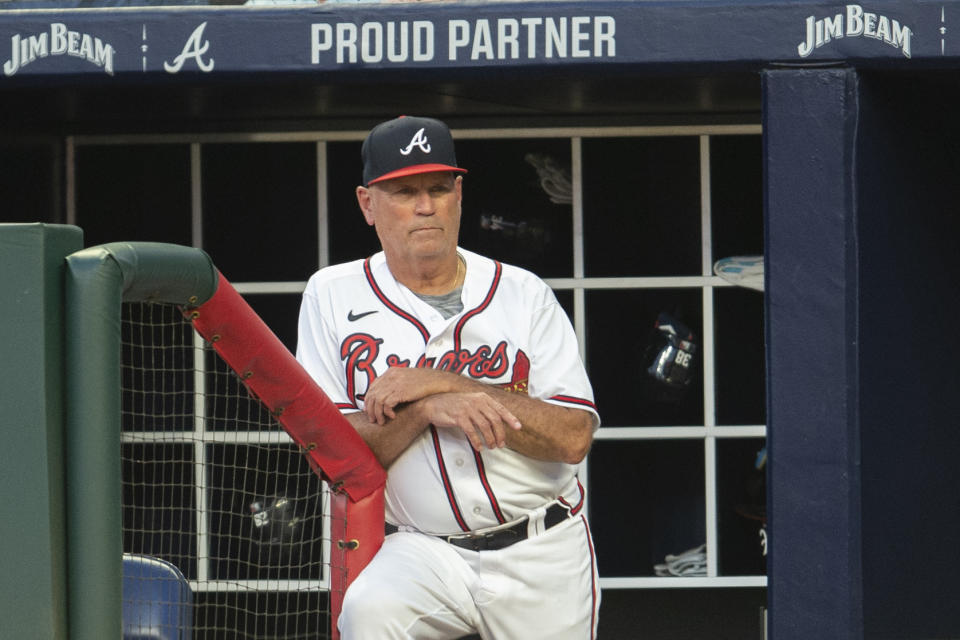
[[419, 587]]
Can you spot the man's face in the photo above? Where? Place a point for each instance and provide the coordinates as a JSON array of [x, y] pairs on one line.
[[415, 216]]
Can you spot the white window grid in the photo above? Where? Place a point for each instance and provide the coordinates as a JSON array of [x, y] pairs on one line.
[[579, 284]]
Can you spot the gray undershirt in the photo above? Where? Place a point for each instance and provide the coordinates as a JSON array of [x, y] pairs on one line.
[[448, 304]]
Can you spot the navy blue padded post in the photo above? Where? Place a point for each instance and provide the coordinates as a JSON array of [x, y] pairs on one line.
[[157, 600], [814, 561]]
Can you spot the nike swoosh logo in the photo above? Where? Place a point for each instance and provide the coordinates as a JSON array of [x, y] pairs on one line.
[[352, 317]]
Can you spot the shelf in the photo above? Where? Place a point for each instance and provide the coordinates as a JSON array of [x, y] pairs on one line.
[[683, 583], [670, 433]]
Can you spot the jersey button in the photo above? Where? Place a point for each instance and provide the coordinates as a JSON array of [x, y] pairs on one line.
[[459, 462], [477, 510]]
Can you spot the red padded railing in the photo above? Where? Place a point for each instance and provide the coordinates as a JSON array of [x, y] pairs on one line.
[[333, 447]]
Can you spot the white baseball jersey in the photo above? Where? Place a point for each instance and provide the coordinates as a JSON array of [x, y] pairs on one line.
[[356, 320]]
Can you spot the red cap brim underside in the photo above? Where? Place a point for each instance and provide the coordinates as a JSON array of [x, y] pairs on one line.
[[415, 169]]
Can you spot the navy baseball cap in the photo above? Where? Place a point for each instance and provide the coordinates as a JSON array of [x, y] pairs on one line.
[[406, 146]]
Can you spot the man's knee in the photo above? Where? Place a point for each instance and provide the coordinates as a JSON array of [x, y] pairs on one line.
[[369, 608]]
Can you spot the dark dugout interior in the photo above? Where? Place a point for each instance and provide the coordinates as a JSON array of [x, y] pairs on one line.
[[908, 159]]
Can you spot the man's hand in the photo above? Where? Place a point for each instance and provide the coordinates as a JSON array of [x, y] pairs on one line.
[[402, 385], [445, 400], [395, 386], [402, 402], [482, 419]]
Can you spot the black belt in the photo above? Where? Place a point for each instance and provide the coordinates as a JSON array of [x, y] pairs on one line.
[[498, 538]]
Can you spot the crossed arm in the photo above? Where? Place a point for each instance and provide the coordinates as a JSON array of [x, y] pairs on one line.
[[403, 402]]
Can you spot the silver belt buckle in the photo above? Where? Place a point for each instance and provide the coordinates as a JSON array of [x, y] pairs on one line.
[[484, 533], [488, 533], [460, 536]]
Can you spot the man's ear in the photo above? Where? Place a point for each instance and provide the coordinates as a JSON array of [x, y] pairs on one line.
[[363, 199]]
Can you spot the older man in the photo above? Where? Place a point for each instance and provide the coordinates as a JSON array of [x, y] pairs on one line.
[[463, 376]]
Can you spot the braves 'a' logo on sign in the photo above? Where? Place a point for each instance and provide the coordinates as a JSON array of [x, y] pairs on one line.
[[195, 48], [418, 140]]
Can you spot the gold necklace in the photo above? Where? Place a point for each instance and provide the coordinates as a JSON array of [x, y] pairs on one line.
[[456, 278]]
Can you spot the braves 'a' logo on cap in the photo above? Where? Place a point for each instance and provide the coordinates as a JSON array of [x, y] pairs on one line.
[[418, 140]]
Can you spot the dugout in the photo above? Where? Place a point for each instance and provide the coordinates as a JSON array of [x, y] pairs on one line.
[[829, 134]]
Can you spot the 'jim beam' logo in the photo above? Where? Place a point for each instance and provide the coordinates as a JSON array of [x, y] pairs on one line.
[[855, 23], [58, 41]]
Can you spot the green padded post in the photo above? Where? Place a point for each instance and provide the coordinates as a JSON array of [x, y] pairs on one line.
[[93, 445], [33, 578], [98, 280]]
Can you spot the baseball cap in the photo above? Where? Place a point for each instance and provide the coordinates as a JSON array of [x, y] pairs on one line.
[[406, 146]]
